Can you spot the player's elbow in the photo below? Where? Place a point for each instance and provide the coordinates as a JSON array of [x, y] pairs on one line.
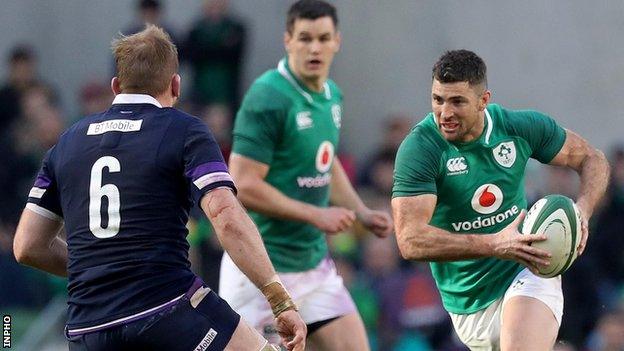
[[410, 253], [406, 252], [247, 187], [22, 250], [410, 248], [600, 156]]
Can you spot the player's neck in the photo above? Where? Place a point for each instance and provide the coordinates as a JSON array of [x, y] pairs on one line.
[[315, 84], [165, 100]]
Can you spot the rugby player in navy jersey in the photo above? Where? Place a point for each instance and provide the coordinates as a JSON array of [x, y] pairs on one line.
[[122, 183]]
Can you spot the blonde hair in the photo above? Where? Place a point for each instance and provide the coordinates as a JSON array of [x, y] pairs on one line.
[[145, 61]]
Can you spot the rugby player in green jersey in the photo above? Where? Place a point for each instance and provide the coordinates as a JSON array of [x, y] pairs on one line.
[[458, 199], [283, 163]]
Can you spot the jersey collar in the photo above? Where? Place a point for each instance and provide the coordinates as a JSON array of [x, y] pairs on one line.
[[284, 70], [136, 99], [489, 126]]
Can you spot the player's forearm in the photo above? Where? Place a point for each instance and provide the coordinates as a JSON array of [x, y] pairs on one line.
[[51, 258], [38, 245], [433, 244], [243, 243], [594, 174], [262, 197], [239, 237], [342, 193]]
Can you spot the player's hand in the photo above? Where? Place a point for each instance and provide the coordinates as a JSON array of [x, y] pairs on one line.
[[510, 244], [378, 222], [292, 330], [584, 215], [333, 220]]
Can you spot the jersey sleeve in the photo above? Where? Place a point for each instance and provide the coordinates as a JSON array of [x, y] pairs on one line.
[[416, 166], [544, 135], [258, 125], [204, 166], [43, 197]]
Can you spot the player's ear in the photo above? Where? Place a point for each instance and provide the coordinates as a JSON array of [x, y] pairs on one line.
[[338, 41], [287, 38], [176, 85], [115, 86], [484, 100]]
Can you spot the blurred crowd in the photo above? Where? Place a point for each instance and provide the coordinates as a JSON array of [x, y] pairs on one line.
[[398, 300]]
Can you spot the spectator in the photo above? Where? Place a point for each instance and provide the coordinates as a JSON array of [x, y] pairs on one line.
[[95, 97], [609, 333], [607, 243], [375, 172], [22, 73], [39, 126], [381, 171], [214, 49], [218, 117], [149, 12], [22, 77]]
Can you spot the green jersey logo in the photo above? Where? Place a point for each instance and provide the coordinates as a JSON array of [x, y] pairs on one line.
[[304, 120], [337, 115], [324, 156], [456, 166], [505, 154], [487, 199]]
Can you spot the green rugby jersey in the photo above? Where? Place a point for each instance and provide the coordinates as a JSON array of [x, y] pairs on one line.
[[295, 131], [480, 189]]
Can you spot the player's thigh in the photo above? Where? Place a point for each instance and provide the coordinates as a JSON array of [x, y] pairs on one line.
[[532, 311], [319, 293], [203, 322], [480, 330], [527, 324], [234, 286], [343, 333], [246, 299]]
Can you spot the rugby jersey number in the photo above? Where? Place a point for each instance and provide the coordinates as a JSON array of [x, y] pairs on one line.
[[96, 192]]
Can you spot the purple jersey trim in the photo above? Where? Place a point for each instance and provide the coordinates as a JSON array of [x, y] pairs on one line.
[[206, 168], [42, 181], [197, 283]]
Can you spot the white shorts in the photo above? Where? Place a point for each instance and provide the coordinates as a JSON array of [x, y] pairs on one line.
[[319, 293], [481, 330]]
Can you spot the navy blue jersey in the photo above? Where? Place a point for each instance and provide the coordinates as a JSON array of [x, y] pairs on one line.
[[123, 181]]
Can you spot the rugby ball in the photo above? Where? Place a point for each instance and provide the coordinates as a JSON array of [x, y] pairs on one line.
[[557, 217]]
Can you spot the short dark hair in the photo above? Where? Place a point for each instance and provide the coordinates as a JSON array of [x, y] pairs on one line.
[[460, 66], [148, 5], [20, 53], [310, 9]]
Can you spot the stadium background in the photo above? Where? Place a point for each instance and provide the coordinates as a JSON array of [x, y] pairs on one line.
[[564, 58]]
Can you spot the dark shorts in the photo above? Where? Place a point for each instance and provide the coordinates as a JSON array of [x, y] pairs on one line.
[[207, 327]]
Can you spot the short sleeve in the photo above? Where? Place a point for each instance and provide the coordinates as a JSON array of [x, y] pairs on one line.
[[204, 166], [416, 166], [43, 197], [258, 124], [544, 135]]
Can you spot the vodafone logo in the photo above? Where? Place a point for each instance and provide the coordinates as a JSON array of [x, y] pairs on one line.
[[487, 199], [324, 156]]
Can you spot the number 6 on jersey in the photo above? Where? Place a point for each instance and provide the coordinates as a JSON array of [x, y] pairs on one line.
[[96, 192]]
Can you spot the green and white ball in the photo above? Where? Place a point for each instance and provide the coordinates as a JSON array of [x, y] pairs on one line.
[[557, 217]]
